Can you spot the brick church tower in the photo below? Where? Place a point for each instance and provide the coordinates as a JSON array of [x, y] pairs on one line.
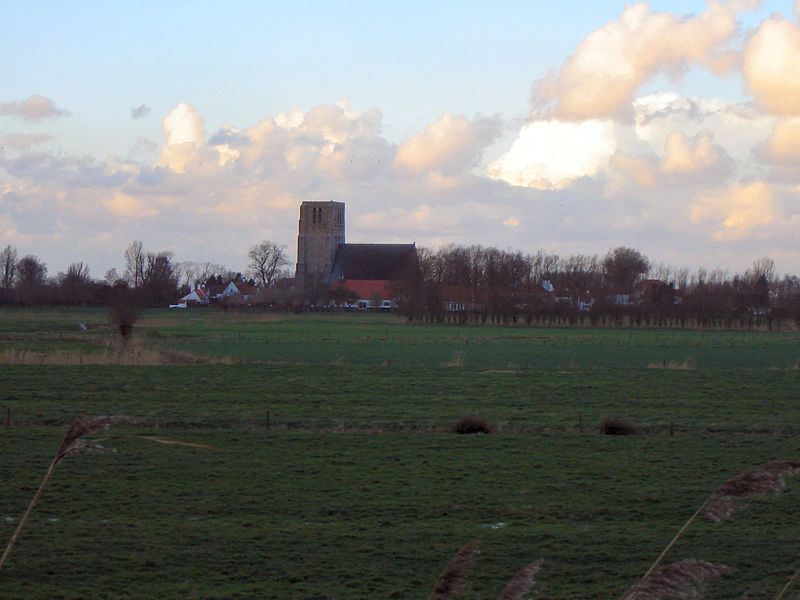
[[320, 232]]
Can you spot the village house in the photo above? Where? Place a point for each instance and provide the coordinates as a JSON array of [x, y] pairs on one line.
[[197, 297], [368, 272]]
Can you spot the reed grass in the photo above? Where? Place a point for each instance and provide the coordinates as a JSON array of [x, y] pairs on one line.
[[451, 581], [521, 582], [758, 481], [133, 355], [792, 580], [74, 441], [733, 493], [683, 579]]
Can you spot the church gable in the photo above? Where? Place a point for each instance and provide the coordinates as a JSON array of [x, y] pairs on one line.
[[374, 262]]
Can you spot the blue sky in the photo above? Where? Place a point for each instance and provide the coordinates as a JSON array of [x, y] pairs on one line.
[[238, 62], [434, 103]]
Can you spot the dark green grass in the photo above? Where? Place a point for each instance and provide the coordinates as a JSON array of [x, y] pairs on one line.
[[358, 490], [352, 397], [375, 340], [309, 515], [345, 339]]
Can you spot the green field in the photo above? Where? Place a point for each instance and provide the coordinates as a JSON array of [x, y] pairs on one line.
[[358, 489]]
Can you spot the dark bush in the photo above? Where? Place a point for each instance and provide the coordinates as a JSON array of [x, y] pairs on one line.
[[472, 424], [123, 312], [616, 426]]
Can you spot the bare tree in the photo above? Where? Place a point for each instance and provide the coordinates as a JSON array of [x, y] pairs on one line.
[[134, 264], [623, 267], [75, 283], [77, 272], [8, 267], [209, 270], [188, 273], [112, 277], [266, 259], [31, 273], [159, 280], [762, 268]]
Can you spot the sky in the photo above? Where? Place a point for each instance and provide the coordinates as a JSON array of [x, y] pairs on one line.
[[572, 127]]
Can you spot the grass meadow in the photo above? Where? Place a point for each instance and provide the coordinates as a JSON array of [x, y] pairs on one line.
[[333, 471]]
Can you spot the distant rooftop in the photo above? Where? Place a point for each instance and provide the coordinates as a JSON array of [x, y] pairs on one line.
[[372, 261]]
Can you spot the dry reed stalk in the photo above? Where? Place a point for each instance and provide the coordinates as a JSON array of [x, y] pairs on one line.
[[683, 579], [450, 581], [521, 582], [769, 477], [116, 354], [766, 478], [789, 584], [73, 441]]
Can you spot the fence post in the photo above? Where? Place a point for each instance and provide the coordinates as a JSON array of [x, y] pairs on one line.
[[580, 422], [266, 419]]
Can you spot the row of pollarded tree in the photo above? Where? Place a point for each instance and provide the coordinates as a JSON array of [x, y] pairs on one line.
[[476, 284]]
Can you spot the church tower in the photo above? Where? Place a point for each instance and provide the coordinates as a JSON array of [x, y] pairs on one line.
[[320, 232]]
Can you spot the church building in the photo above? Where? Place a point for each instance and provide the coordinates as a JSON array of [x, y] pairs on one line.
[[368, 271], [320, 232]]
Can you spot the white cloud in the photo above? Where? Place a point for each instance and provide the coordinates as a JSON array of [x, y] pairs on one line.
[[450, 145], [641, 169], [772, 66], [736, 210], [737, 128], [184, 125], [23, 141], [683, 156], [123, 205], [783, 146], [34, 108], [569, 186], [550, 154], [600, 80], [185, 149]]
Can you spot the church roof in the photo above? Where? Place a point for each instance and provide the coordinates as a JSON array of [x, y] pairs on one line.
[[372, 261]]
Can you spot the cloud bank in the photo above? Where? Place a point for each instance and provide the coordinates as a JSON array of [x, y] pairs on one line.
[[599, 162]]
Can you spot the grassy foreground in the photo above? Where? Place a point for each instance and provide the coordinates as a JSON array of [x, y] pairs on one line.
[[357, 489]]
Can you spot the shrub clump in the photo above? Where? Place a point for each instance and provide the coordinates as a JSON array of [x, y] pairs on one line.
[[472, 424], [124, 312], [617, 426]]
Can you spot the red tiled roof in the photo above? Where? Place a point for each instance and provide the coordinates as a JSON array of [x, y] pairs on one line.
[[245, 289], [366, 289]]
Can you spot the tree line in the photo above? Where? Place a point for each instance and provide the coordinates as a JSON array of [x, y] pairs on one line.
[[478, 284], [147, 278], [454, 283]]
